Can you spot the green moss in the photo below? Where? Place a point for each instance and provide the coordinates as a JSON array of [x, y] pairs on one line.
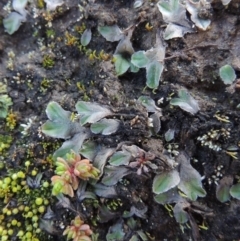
[[11, 120], [70, 40], [40, 4], [45, 84], [15, 188], [48, 61], [81, 87], [5, 143], [50, 33], [80, 28]]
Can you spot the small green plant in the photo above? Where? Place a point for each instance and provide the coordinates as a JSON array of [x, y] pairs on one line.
[[186, 102], [11, 120], [227, 74], [68, 173], [5, 143], [78, 231], [48, 61], [62, 124], [50, 33]]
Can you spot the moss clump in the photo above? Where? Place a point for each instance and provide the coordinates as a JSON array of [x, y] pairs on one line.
[[70, 40], [40, 4], [50, 33], [23, 199], [11, 120], [48, 61], [5, 143]]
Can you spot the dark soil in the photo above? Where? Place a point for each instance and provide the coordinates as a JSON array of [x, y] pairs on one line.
[[191, 62]]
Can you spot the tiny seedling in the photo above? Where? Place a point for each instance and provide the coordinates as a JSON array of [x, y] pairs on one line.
[[186, 102]]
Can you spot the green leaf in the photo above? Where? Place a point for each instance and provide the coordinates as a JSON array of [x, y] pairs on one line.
[[192, 188], [169, 135], [86, 37], [60, 124], [61, 129], [165, 181], [101, 158], [171, 10], [191, 182], [176, 31], [171, 196], [235, 191], [133, 68], [194, 8], [125, 47], [142, 235], [56, 113], [105, 191], [149, 103], [154, 72], [105, 126], [222, 190], [91, 112], [115, 232], [120, 158], [19, 6], [227, 74], [74, 144], [180, 214], [12, 22], [88, 150], [139, 59], [185, 102], [111, 33], [113, 174], [121, 64]]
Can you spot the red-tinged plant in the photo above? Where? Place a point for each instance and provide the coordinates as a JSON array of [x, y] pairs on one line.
[[141, 161], [69, 171], [85, 170], [61, 185], [78, 231]]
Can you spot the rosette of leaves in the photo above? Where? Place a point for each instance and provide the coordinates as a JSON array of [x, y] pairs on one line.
[[69, 126], [181, 184], [124, 50], [181, 175], [69, 171], [78, 231], [153, 61]]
